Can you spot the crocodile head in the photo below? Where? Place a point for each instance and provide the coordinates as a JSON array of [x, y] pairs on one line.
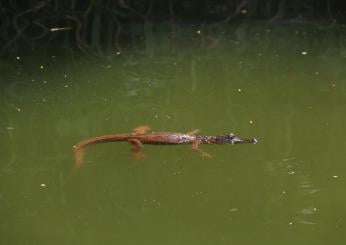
[[233, 139]]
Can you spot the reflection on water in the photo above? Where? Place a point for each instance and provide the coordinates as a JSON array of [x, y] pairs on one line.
[[298, 187]]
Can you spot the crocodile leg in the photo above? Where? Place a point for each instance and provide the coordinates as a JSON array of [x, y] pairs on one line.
[[136, 149], [193, 132], [198, 150], [141, 129]]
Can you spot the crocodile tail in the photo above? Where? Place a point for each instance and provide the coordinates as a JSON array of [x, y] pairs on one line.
[[80, 147], [79, 156]]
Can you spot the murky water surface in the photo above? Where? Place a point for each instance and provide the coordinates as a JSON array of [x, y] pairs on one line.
[[288, 189]]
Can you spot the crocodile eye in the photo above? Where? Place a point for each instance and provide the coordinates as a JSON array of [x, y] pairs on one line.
[[231, 136]]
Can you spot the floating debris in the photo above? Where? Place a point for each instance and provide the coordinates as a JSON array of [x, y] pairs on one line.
[[177, 172], [308, 210], [60, 29]]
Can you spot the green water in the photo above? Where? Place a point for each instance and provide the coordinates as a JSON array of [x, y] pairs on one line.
[[288, 189]]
